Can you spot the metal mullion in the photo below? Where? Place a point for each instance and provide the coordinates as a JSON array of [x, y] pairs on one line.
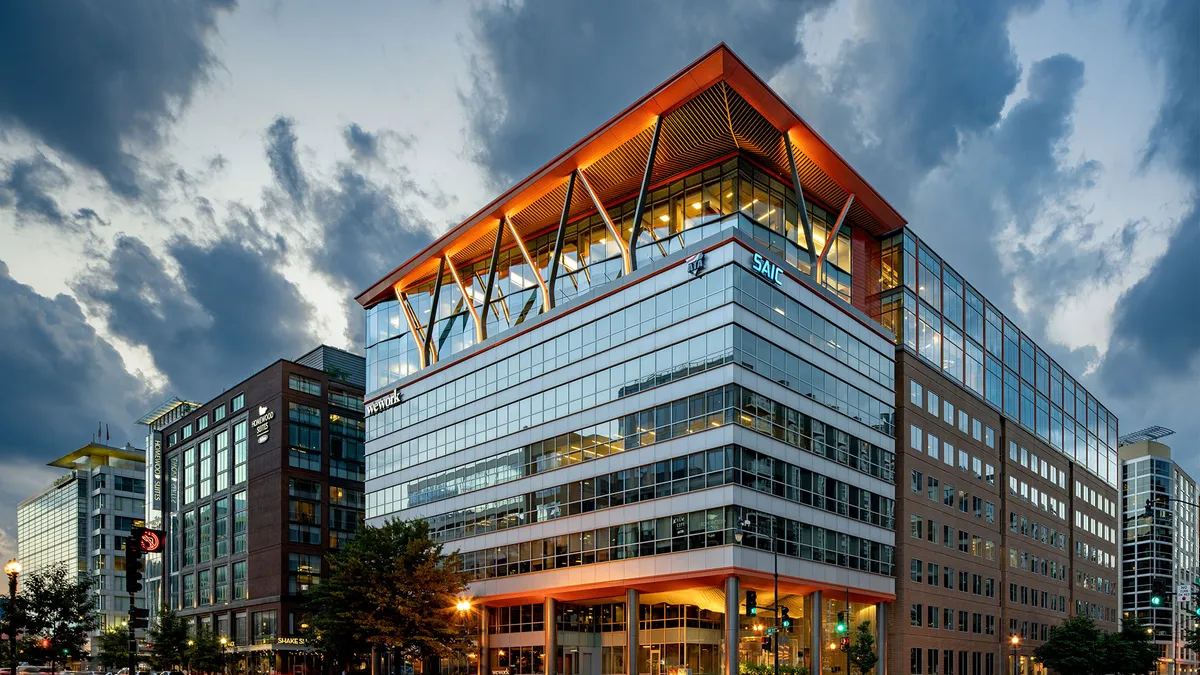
[[807, 226], [558, 238], [411, 318], [491, 282], [466, 299], [638, 212], [831, 238], [537, 275], [437, 294], [612, 228]]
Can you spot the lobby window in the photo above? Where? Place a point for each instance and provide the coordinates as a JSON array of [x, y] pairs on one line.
[[264, 627], [304, 385]]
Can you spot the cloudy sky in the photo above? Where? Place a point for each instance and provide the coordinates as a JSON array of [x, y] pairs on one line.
[[190, 190]]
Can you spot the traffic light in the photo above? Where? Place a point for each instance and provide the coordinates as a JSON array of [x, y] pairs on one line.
[[766, 644], [133, 565], [1198, 611], [139, 618], [785, 620], [1157, 595], [751, 603], [841, 623]]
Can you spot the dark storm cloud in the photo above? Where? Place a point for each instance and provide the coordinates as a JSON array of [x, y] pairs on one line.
[[555, 71], [228, 313], [284, 160], [1156, 327], [27, 185], [90, 78], [70, 378], [364, 144]]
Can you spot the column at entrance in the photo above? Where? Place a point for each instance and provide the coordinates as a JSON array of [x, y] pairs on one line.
[[732, 624], [484, 652], [816, 611], [551, 623], [632, 598], [881, 637]]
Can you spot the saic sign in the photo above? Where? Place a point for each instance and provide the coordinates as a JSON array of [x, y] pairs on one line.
[[385, 402], [262, 423], [768, 269]]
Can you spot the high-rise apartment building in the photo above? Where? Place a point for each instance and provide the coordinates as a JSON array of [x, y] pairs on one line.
[[82, 519], [257, 485], [698, 337], [1160, 547]]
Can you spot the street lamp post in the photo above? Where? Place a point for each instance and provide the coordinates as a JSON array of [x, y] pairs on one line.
[[463, 606], [13, 570], [1014, 641], [740, 534]]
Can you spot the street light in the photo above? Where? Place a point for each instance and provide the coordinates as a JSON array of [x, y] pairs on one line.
[[1014, 641], [13, 569], [739, 535], [463, 605]]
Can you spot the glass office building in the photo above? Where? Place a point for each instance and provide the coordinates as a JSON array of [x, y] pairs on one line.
[[691, 341], [1159, 549], [81, 521]]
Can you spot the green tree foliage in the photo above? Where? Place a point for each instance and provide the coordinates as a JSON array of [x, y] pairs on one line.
[[204, 652], [1131, 651], [1192, 638], [862, 649], [168, 640], [390, 586], [57, 611], [1078, 647], [114, 648]]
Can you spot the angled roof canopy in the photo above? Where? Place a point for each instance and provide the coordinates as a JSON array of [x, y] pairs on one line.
[[713, 108]]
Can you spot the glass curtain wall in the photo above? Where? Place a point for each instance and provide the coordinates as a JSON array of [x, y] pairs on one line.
[[735, 194], [934, 313]]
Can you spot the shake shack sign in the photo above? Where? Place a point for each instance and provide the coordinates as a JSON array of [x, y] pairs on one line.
[[262, 423], [386, 402]]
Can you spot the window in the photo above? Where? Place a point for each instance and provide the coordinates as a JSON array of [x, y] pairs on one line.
[[962, 461], [989, 437], [933, 404], [264, 627], [976, 429], [186, 432], [205, 468], [915, 569], [914, 437], [202, 423], [933, 492], [916, 481], [914, 660], [205, 533], [933, 574], [916, 526], [237, 403], [948, 412], [304, 385], [915, 394], [219, 413], [964, 422], [189, 475], [222, 459], [931, 619], [914, 614], [304, 571], [220, 585], [189, 591], [204, 587], [239, 452], [239, 522], [932, 446], [239, 581], [221, 526]]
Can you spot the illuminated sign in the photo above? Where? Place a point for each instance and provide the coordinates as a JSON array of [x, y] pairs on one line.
[[289, 641], [385, 402], [262, 423], [151, 541], [768, 269], [695, 264], [156, 460]]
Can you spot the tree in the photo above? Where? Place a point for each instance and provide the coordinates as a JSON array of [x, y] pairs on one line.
[[391, 587], [1131, 651], [1072, 648], [204, 652], [168, 640], [114, 648], [1192, 638], [58, 610], [862, 649]]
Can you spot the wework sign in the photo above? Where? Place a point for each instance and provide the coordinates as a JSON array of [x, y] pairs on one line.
[[386, 402]]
